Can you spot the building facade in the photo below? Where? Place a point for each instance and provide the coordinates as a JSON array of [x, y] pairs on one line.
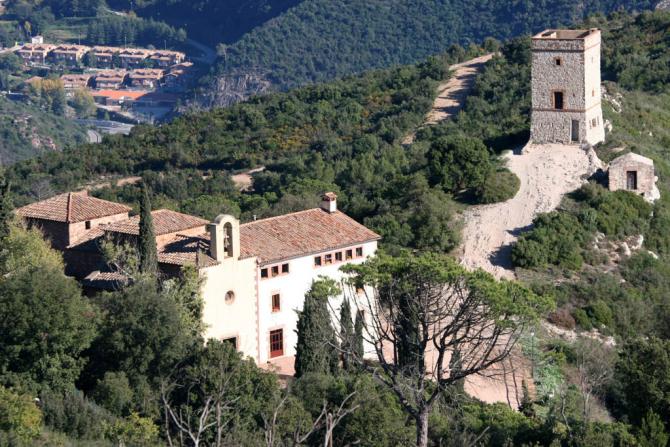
[[566, 95], [635, 173], [255, 275], [35, 53], [69, 54]]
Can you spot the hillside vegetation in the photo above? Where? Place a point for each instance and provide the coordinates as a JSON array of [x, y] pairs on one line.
[[324, 39], [344, 136], [26, 130]]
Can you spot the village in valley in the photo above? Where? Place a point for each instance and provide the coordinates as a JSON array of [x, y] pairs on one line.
[[130, 84]]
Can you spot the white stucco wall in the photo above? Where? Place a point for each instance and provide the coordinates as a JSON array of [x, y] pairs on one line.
[[236, 319], [292, 288]]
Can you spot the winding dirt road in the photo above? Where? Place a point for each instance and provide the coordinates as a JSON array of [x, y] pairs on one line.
[[547, 172], [452, 93]]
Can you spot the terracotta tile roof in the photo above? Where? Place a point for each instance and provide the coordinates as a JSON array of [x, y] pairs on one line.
[[71, 207], [187, 250], [301, 234], [120, 94], [276, 238], [105, 280], [165, 222], [85, 242]]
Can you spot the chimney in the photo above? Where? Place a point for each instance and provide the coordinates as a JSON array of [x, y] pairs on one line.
[[329, 202]]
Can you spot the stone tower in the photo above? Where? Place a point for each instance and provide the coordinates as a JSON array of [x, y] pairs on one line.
[[566, 87]]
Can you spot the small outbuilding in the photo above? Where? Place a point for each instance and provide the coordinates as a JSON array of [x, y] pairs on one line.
[[635, 173]]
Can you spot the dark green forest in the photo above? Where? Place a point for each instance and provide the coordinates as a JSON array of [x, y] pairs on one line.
[[336, 38]]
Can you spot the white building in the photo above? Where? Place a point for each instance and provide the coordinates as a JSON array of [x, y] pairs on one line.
[[256, 274]]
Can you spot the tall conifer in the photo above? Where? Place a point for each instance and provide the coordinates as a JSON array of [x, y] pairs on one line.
[[147, 238], [346, 334], [315, 351], [6, 208], [358, 336]]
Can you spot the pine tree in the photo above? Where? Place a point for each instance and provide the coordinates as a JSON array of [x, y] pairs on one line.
[[358, 336], [147, 238], [346, 335], [652, 432], [6, 208], [526, 404], [314, 350]]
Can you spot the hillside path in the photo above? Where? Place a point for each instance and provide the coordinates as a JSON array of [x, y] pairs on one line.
[[547, 172], [452, 93]]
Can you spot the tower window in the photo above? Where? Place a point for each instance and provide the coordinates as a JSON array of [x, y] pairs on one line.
[[558, 61], [558, 100], [88, 224]]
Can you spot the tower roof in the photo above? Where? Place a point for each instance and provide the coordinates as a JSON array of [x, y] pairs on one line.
[[566, 34]]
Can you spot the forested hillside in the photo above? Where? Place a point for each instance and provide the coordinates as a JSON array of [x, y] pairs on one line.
[[26, 131], [211, 21], [324, 39]]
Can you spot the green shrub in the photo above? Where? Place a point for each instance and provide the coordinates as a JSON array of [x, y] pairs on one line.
[[114, 393], [582, 319], [500, 186], [19, 416], [619, 213], [75, 415], [557, 238], [599, 312]]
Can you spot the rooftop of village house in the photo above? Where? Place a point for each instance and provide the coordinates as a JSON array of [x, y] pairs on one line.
[[270, 240], [72, 207]]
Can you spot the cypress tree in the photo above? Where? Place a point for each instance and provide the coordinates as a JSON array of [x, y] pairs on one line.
[[358, 336], [6, 208], [147, 238], [346, 335], [314, 350]]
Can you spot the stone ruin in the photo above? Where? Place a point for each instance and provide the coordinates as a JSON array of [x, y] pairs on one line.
[[635, 173]]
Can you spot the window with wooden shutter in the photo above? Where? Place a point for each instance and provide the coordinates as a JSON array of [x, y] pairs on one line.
[[276, 343]]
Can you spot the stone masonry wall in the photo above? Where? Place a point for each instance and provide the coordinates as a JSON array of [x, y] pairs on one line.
[[645, 176], [578, 78]]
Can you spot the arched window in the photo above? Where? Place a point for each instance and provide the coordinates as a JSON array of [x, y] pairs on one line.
[[230, 297], [228, 239]]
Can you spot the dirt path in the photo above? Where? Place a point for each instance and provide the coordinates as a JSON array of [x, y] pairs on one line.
[[244, 181], [546, 172], [452, 93]]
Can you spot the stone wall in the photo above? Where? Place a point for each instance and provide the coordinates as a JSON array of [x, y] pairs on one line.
[[570, 66], [645, 176]]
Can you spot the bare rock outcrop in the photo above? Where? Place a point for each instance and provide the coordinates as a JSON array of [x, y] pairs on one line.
[[230, 89]]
